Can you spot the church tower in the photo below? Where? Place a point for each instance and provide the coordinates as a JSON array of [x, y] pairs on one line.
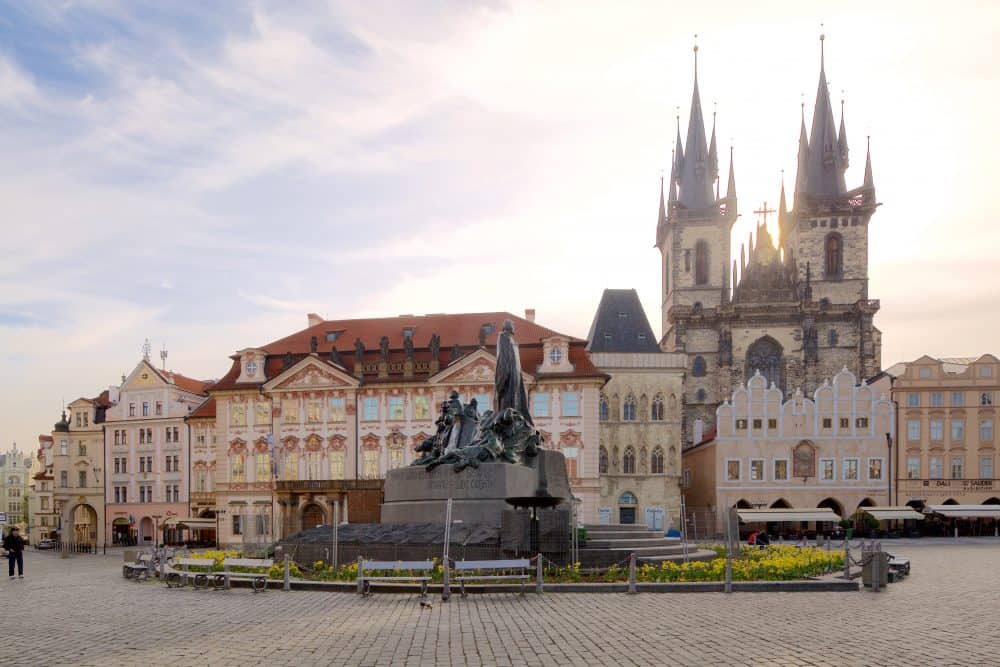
[[693, 237], [827, 232], [794, 307]]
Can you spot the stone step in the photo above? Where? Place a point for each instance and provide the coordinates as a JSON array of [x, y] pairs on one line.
[[627, 535], [639, 550], [640, 527], [602, 558], [609, 543]]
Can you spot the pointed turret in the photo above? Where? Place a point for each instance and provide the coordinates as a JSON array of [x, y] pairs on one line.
[[842, 139], [825, 164], [672, 187], [869, 181], [782, 214], [678, 152], [803, 159], [662, 218], [695, 173], [731, 189], [713, 159]]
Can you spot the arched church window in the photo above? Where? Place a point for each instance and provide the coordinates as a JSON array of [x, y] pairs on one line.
[[602, 461], [628, 409], [656, 414], [656, 461], [628, 461], [832, 338], [765, 356], [604, 408], [628, 498], [697, 307], [701, 263], [699, 367], [700, 395], [834, 255]]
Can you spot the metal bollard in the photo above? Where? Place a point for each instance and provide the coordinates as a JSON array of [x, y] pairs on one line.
[[631, 573], [847, 559], [287, 586], [361, 576], [539, 576]]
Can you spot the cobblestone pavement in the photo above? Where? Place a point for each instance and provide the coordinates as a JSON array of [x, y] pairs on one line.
[[80, 611]]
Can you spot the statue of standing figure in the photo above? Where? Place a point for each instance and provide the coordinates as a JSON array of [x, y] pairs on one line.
[[464, 439], [509, 382]]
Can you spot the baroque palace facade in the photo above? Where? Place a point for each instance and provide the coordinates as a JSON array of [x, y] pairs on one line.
[[308, 425], [796, 307]]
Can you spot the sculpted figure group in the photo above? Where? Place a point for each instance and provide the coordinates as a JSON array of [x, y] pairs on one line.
[[464, 439]]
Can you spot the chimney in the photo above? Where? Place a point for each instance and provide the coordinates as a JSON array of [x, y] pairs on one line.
[[314, 319], [529, 314]]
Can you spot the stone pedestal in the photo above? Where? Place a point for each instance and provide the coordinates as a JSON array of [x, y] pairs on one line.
[[480, 495]]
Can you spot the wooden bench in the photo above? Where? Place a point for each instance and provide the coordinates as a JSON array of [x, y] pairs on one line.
[[258, 581], [365, 566], [177, 579], [472, 570], [138, 570]]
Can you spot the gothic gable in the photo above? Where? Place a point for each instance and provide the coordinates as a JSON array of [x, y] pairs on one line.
[[476, 368]]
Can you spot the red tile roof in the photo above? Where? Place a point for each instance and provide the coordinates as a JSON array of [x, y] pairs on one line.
[[462, 329], [187, 384], [206, 409]]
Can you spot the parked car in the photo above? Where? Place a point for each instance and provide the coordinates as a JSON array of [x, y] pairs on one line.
[[46, 544], [899, 564]]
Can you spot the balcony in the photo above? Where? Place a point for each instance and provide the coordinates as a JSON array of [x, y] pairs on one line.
[[202, 498]]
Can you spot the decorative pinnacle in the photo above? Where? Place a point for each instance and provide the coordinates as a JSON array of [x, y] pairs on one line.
[[822, 38], [696, 55]]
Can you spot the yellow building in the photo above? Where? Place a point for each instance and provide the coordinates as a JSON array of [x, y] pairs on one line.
[[947, 422]]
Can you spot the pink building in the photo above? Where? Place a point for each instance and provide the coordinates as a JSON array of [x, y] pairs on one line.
[[146, 444]]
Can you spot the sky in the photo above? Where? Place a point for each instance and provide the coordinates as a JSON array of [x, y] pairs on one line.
[[205, 174]]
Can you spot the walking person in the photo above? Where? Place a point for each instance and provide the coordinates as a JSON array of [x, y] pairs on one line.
[[14, 544]]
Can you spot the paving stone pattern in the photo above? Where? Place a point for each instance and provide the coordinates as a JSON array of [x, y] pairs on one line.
[[79, 611]]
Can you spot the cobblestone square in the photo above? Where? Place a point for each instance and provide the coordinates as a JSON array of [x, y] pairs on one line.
[[80, 611]]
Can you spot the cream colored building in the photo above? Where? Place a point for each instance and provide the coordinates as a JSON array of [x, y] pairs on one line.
[[640, 417], [147, 447], [78, 472], [827, 451], [43, 518], [313, 421], [947, 423]]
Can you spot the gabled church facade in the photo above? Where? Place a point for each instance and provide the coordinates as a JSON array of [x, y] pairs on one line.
[[795, 308]]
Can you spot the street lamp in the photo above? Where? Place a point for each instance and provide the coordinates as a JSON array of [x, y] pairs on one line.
[[888, 443]]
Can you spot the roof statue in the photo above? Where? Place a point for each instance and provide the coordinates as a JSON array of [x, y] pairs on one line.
[[463, 439]]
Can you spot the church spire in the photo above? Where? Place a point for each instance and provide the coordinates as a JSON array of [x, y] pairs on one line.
[[782, 213], [695, 173], [825, 163], [662, 218], [713, 159], [672, 187], [731, 189], [869, 181], [803, 158], [842, 137]]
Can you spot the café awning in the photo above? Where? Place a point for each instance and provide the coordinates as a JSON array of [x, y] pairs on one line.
[[191, 522], [965, 511], [893, 512], [787, 514]]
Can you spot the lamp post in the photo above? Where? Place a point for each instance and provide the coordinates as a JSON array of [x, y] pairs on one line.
[[888, 443]]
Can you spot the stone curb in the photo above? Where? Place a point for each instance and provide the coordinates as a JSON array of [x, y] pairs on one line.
[[796, 586]]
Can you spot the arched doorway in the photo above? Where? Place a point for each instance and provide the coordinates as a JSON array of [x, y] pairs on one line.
[[627, 503], [742, 504], [826, 526], [312, 516], [146, 530], [780, 503], [80, 527], [122, 533]]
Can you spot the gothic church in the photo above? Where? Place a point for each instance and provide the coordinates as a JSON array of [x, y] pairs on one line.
[[796, 308]]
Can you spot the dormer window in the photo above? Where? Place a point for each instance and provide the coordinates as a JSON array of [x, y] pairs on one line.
[[555, 355], [407, 332], [622, 315], [251, 367], [331, 336], [607, 336]]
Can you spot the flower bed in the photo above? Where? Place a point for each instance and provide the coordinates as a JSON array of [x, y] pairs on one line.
[[772, 563]]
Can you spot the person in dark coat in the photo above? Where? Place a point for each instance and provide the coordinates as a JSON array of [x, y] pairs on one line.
[[14, 544]]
